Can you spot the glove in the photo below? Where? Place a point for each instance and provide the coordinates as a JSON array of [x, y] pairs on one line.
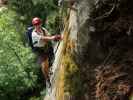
[[57, 37]]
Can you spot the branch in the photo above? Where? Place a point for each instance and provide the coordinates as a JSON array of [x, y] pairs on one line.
[[107, 14]]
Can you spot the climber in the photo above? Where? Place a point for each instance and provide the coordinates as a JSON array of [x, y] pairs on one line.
[[41, 41]]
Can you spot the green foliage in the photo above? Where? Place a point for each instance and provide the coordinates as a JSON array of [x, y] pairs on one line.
[[55, 23], [45, 9], [18, 71], [42, 94], [17, 68], [27, 9], [72, 76]]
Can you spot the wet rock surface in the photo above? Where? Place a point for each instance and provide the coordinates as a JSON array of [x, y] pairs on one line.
[[100, 39]]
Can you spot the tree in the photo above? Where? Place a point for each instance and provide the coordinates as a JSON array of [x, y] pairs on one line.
[[17, 63]]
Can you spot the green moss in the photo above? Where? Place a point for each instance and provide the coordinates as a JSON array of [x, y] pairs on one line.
[[72, 79]]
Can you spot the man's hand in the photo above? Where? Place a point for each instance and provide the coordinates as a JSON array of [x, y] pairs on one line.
[[57, 37]]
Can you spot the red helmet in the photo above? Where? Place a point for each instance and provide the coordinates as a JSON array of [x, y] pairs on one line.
[[36, 21]]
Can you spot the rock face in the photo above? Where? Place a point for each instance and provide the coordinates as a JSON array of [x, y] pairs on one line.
[[97, 44], [56, 80]]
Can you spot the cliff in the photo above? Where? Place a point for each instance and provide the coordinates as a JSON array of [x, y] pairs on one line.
[[94, 61]]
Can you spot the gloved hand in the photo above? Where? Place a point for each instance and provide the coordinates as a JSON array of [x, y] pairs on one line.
[[58, 37]]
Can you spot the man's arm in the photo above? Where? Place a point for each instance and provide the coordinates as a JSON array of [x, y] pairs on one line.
[[49, 38]]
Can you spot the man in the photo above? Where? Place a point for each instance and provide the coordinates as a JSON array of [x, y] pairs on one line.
[[41, 43]]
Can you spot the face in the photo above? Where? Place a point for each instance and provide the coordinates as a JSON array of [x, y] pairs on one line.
[[37, 26]]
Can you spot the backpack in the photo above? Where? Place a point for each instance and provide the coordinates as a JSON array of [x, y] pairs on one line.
[[29, 37]]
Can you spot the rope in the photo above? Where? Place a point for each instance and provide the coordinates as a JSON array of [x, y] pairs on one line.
[[61, 25]]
